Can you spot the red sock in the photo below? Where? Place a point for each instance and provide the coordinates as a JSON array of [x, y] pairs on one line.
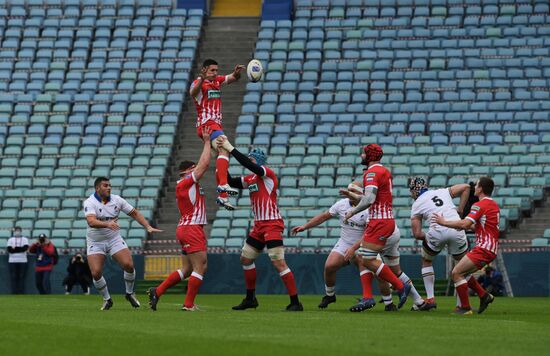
[[462, 291], [193, 285], [387, 275], [222, 166], [173, 279], [476, 287], [288, 279], [366, 283], [250, 276]]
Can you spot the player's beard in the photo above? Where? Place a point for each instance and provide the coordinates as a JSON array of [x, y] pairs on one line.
[[364, 162]]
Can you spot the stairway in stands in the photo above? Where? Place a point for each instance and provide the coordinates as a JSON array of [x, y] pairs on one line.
[[230, 41], [533, 226]]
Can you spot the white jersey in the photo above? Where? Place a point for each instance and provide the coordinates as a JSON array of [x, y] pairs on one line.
[[104, 212], [353, 230], [435, 201], [18, 257]]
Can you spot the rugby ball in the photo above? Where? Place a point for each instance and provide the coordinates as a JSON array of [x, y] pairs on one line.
[[254, 70]]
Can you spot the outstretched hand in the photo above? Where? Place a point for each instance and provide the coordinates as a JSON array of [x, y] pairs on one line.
[[295, 230], [238, 68], [438, 219], [151, 230], [206, 132]]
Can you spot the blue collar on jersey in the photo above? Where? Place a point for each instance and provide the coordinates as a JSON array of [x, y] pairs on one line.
[[99, 198], [422, 191]]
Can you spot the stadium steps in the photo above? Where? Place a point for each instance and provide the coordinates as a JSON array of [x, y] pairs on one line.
[[229, 41], [534, 226]]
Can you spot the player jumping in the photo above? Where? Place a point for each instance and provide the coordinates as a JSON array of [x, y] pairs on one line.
[[485, 215], [440, 201], [206, 93], [350, 233], [377, 183], [268, 225], [190, 232], [101, 210]]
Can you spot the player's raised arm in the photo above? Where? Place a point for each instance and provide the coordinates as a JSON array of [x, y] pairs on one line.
[[236, 74], [235, 182], [204, 160], [462, 190], [197, 84], [243, 160], [314, 221], [416, 226]]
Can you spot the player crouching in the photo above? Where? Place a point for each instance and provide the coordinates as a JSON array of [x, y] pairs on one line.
[[268, 225]]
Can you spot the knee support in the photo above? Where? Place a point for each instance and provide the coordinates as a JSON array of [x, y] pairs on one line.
[[276, 253], [367, 254], [249, 252], [391, 262]]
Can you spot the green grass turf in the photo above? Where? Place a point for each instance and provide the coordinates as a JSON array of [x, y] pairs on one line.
[[73, 325]]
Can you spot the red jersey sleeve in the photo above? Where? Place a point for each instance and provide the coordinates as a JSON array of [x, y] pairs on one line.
[[371, 178], [222, 79], [194, 84], [475, 213]]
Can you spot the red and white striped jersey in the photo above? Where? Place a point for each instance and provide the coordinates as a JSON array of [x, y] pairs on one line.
[[190, 198], [486, 215], [208, 101], [379, 177], [263, 195]]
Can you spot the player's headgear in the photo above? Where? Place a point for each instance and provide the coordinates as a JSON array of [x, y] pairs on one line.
[[418, 185], [374, 152], [259, 155], [185, 165]]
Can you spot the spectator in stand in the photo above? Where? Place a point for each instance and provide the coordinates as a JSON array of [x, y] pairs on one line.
[[46, 258], [17, 250]]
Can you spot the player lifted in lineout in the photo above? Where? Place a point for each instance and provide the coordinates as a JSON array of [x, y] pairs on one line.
[[101, 210], [206, 93], [350, 232], [485, 215], [190, 232], [440, 201], [268, 225]]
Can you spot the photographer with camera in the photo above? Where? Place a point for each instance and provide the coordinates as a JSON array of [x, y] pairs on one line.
[[79, 272], [46, 258], [17, 250]]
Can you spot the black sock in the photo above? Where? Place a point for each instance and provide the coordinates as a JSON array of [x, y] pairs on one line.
[[250, 294], [294, 299]]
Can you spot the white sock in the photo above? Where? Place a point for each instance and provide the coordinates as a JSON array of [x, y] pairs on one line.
[[101, 286], [387, 299], [129, 279], [429, 280], [406, 280], [329, 290]]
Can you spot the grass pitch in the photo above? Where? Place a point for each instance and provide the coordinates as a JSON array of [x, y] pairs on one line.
[[73, 325]]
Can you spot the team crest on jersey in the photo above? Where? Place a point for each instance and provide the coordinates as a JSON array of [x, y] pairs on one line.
[[371, 174], [214, 94], [475, 207], [253, 188], [370, 179]]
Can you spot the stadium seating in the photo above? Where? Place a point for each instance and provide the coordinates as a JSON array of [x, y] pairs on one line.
[[452, 90], [88, 88]]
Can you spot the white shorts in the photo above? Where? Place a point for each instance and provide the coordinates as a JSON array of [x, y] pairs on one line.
[[391, 248], [110, 246], [455, 240], [342, 245]]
